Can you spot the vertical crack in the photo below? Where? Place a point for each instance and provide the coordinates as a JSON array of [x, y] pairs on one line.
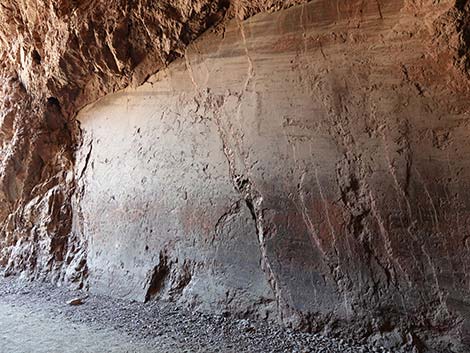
[[251, 70], [87, 159], [379, 8], [243, 185], [189, 68]]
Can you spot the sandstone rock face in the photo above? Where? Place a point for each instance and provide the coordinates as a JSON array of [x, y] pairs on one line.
[[307, 164], [55, 57]]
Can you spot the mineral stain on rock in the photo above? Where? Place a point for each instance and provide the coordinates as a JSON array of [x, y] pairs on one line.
[[299, 161]]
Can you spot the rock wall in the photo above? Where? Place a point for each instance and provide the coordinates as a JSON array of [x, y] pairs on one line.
[[309, 161], [56, 56], [307, 164]]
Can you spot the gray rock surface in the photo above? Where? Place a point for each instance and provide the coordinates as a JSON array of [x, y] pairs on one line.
[[306, 164]]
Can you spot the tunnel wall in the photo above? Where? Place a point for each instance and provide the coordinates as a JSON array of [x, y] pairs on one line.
[[308, 165]]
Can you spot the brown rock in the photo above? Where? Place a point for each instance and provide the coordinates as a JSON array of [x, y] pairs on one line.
[[306, 164], [75, 302]]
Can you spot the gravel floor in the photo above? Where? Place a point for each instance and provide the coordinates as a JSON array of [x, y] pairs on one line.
[[35, 317]]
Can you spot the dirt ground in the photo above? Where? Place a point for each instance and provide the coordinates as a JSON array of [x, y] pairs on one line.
[[28, 329], [35, 317]]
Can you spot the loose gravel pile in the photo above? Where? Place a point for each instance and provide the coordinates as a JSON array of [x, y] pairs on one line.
[[166, 327]]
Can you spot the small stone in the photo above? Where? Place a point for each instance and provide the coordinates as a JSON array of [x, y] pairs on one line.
[[75, 301], [249, 329]]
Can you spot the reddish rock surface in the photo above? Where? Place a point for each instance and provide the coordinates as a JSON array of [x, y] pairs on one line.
[[307, 164]]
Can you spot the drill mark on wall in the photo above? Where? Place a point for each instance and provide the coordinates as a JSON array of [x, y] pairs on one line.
[[431, 201], [302, 207], [302, 25], [321, 49], [387, 243], [325, 205], [189, 68], [440, 292], [379, 8], [250, 73], [400, 191]]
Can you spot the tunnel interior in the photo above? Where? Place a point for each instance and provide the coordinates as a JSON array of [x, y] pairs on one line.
[[298, 162]]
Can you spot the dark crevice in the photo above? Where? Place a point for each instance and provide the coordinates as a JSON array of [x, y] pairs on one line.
[[159, 276], [87, 160], [36, 57], [251, 207], [53, 102]]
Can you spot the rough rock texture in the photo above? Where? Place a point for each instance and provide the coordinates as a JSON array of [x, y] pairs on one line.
[[57, 56], [307, 164]]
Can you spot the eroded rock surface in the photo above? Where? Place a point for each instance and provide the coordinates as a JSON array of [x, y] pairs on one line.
[[57, 56], [307, 164]]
